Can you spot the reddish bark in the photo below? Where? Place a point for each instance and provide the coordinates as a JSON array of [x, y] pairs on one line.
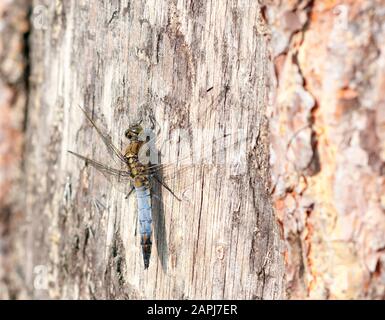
[[14, 25], [327, 156]]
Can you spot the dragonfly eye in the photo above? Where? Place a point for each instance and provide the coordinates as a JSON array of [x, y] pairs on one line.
[[133, 132], [128, 134]]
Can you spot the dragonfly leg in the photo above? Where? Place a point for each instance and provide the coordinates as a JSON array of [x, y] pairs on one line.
[[159, 179], [129, 193], [136, 225]]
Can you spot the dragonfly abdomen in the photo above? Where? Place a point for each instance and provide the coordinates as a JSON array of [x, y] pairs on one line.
[[142, 188], [145, 221]]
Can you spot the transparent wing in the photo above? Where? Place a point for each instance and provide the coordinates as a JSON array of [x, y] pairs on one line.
[[225, 155], [201, 118], [121, 180], [114, 151], [183, 166]]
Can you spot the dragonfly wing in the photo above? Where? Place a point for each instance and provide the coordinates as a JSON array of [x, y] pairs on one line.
[[121, 180], [191, 172], [106, 138], [171, 178], [202, 118]]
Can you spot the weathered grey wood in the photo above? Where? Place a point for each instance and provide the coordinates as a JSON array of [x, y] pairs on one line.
[[116, 58]]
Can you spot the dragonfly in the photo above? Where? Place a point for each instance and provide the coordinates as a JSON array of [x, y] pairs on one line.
[[134, 175]]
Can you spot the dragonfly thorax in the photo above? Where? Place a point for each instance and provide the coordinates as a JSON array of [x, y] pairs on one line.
[[132, 150], [137, 169]]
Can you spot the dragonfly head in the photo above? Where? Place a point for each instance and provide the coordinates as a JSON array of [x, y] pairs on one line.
[[133, 132]]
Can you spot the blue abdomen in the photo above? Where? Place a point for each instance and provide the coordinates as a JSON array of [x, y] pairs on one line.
[[145, 221]]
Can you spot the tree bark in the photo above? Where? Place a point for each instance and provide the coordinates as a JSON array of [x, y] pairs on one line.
[[13, 97], [327, 131], [172, 59], [304, 80]]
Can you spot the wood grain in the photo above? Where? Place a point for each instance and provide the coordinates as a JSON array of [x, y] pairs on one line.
[[169, 59]]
